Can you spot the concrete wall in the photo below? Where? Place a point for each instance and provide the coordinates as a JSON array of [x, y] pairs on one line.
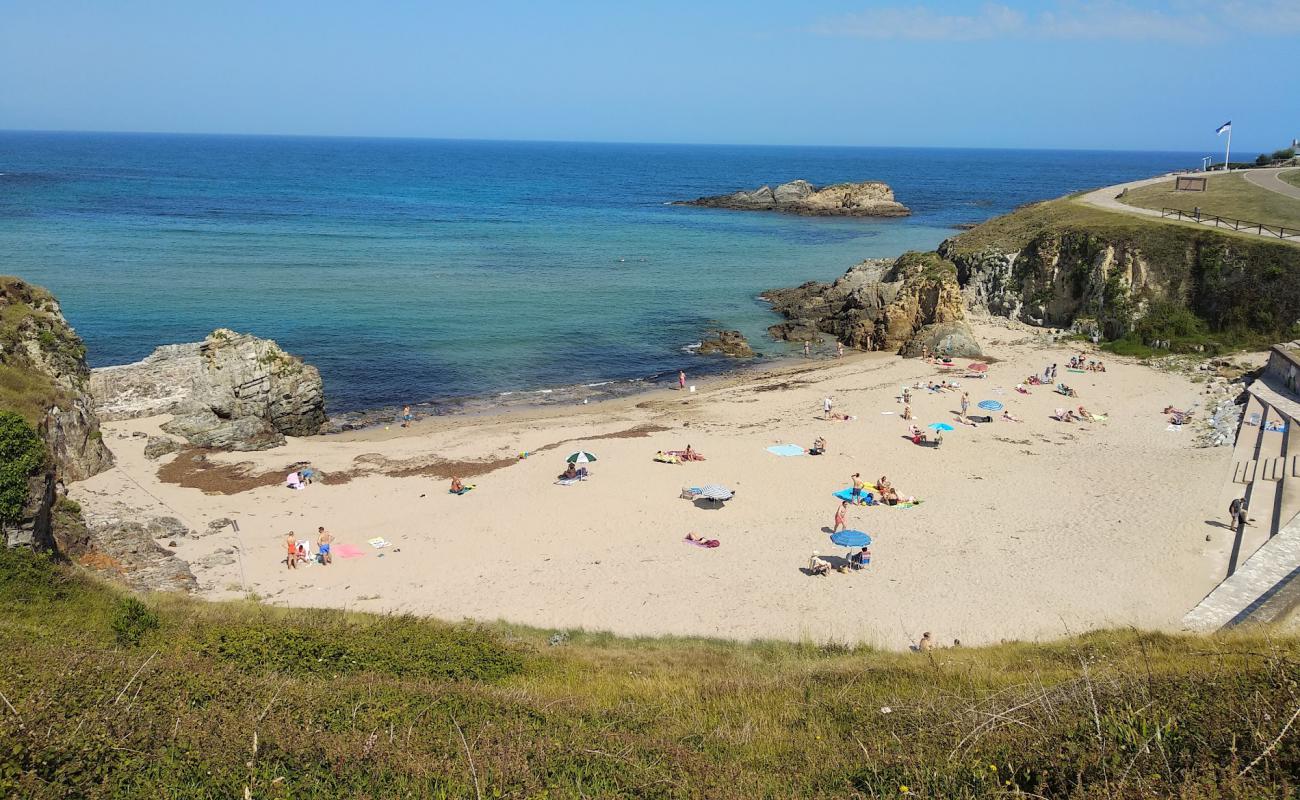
[[1284, 368]]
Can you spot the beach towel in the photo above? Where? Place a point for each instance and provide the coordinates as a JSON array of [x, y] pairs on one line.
[[378, 542], [463, 490], [710, 543], [667, 459], [567, 481], [347, 551], [1275, 427], [866, 498], [1075, 370], [786, 450]]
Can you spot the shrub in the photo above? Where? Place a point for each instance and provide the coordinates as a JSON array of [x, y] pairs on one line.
[[131, 621], [22, 453], [1284, 155]]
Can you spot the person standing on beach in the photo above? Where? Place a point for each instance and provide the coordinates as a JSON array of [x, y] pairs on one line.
[[839, 349], [406, 416], [965, 404], [1237, 515], [856, 491], [807, 348], [291, 544], [323, 541], [840, 516], [826, 406], [681, 380]]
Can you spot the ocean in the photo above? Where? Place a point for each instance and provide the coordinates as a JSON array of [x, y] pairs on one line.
[[431, 271]]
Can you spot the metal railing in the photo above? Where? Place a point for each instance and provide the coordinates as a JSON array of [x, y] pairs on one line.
[[1245, 226]]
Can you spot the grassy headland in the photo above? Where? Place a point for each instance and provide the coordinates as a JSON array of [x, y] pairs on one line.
[[108, 696], [1228, 195], [1291, 176]]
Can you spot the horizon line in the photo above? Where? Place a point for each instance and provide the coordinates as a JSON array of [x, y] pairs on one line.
[[383, 137]]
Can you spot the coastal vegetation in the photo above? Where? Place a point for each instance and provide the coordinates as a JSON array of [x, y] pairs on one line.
[[1058, 262], [110, 695], [1291, 176], [22, 454], [1228, 195]]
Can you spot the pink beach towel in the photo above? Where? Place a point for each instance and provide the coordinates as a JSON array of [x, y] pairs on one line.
[[348, 551], [706, 543]]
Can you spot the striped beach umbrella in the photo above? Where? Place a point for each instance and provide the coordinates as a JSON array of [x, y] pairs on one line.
[[581, 457], [978, 366], [990, 405], [715, 492]]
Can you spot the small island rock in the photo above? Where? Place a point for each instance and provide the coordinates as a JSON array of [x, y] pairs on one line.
[[866, 199]]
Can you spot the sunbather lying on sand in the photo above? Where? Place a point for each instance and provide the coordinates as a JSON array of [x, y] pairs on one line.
[[1020, 387], [1065, 415], [960, 420], [837, 416], [1009, 417], [1089, 416]]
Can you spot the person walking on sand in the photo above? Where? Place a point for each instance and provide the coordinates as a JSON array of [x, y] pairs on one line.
[[291, 544], [681, 380], [406, 416], [826, 406], [323, 540], [839, 349], [841, 514], [807, 348], [965, 404]]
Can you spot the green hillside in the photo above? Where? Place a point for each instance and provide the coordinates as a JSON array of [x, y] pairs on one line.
[[107, 696]]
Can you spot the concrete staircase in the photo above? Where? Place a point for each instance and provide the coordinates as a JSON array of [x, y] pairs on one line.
[[1261, 590]]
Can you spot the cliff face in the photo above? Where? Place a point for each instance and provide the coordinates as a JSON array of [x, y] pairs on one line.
[[867, 199], [44, 378], [230, 391], [1054, 272], [896, 305]]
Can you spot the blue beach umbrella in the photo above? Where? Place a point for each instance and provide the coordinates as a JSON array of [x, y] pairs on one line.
[[990, 405], [851, 539], [939, 426]]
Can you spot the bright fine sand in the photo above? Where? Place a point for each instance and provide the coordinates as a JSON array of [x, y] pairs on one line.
[[1027, 531]]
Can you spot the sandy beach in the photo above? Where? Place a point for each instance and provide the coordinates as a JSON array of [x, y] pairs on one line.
[[1027, 531]]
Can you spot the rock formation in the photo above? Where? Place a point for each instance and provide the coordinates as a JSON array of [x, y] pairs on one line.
[[728, 343], [869, 199], [44, 378], [881, 305], [230, 391], [1054, 265]]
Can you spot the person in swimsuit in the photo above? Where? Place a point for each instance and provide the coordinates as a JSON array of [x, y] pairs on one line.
[[323, 540], [681, 379], [291, 544], [840, 514], [406, 416], [456, 486], [856, 492]]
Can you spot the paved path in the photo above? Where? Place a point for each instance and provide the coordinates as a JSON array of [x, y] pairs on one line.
[[1104, 199], [1271, 179]]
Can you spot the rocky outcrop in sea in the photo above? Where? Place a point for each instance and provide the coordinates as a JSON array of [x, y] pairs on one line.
[[46, 382], [881, 304], [867, 199], [732, 344], [231, 391]]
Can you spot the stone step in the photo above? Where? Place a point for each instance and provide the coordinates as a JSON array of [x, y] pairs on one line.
[[1273, 569], [1266, 469]]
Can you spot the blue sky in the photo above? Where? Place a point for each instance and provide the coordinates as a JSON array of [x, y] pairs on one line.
[[1104, 75]]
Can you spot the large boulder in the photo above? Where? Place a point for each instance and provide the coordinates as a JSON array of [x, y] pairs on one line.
[[231, 391], [866, 199], [879, 304]]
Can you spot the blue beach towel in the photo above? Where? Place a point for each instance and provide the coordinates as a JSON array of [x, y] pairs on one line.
[[786, 450], [867, 498]]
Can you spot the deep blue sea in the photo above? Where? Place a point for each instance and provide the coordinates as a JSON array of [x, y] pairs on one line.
[[422, 270]]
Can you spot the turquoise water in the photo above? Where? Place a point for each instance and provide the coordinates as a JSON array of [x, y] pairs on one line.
[[420, 270]]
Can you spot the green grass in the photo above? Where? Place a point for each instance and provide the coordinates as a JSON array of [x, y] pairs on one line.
[[468, 711], [1226, 196], [1291, 176]]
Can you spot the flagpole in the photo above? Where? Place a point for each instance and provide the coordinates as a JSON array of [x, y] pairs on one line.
[[1227, 151]]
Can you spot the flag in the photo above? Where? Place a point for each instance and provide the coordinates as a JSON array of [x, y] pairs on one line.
[[1227, 126]]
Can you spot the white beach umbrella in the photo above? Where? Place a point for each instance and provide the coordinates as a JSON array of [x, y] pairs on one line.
[[715, 492]]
